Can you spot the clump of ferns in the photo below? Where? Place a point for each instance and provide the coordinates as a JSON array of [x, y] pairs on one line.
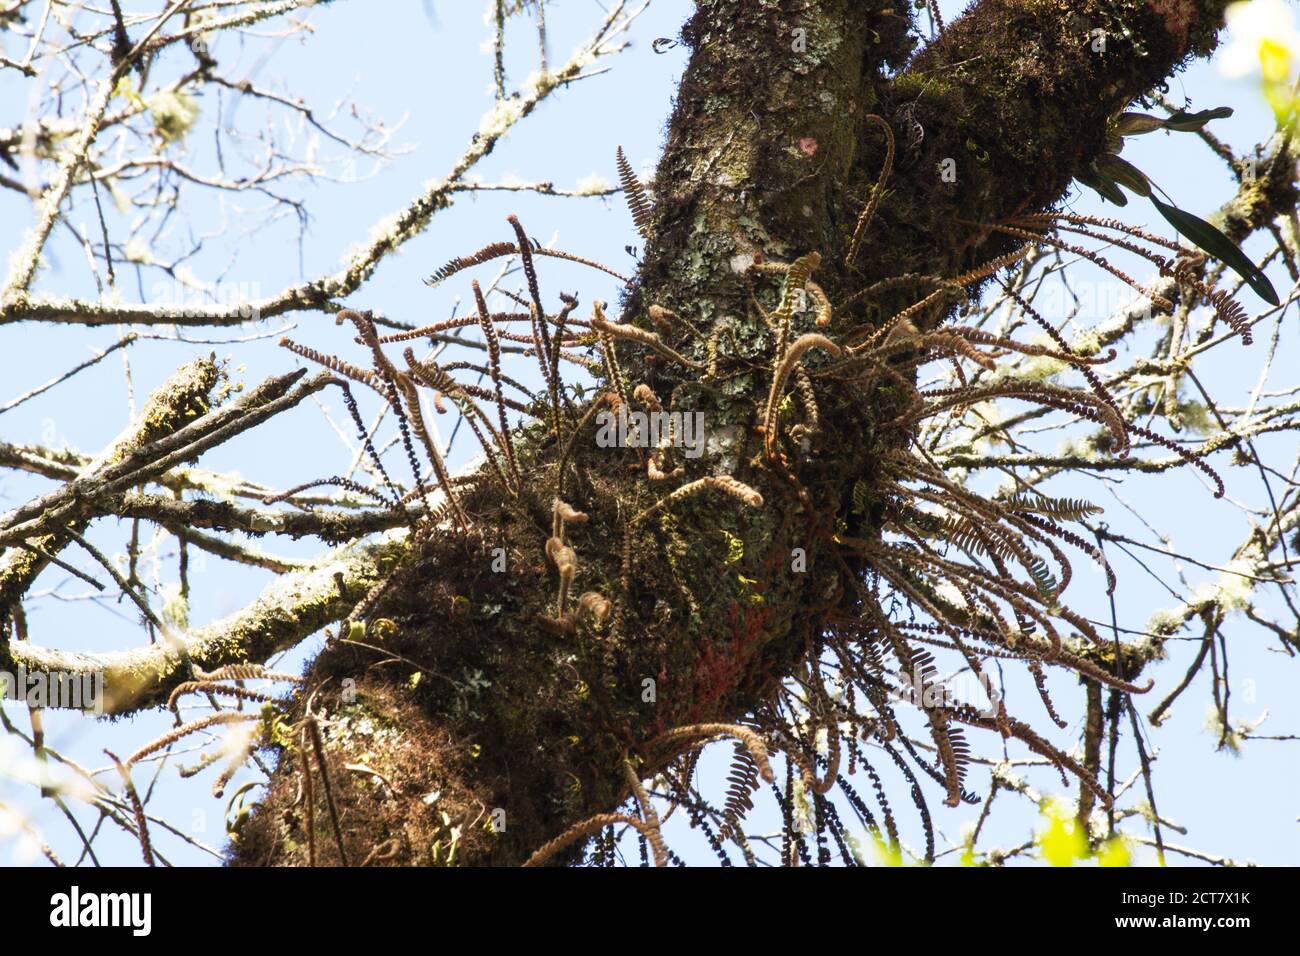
[[934, 538], [817, 728], [247, 730], [1183, 267], [819, 758], [937, 535], [552, 338], [485, 411], [718, 826], [831, 724], [808, 812], [948, 558], [929, 536]]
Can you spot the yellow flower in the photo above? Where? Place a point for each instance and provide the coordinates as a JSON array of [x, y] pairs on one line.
[[885, 853], [1274, 61], [1063, 841], [1251, 25], [1115, 852], [1263, 42]]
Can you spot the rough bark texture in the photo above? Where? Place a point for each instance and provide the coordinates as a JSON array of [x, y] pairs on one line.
[[464, 701]]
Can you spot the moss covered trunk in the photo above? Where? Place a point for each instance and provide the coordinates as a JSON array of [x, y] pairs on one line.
[[486, 720]]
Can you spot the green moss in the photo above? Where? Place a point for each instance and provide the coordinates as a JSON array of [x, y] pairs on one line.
[[180, 400]]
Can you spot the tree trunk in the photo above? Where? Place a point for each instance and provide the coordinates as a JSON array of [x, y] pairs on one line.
[[492, 724]]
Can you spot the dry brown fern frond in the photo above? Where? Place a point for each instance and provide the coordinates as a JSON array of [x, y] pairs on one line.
[[634, 193], [877, 193]]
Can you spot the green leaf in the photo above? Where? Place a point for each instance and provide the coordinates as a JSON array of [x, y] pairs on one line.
[[1124, 173], [1114, 852], [1105, 187], [1135, 124], [239, 808], [1041, 572], [1210, 239], [861, 496], [1191, 122]]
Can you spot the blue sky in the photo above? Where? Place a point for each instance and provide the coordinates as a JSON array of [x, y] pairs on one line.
[[424, 66]]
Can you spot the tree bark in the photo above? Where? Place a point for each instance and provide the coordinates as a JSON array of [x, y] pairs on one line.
[[482, 724]]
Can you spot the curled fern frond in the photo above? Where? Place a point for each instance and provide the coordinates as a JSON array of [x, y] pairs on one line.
[[212, 687], [335, 364], [652, 341], [244, 672], [793, 289], [1232, 313], [494, 250], [1195, 461], [746, 735], [781, 374]]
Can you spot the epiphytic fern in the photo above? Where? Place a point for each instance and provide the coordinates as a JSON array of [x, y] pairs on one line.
[[877, 193], [1062, 509], [634, 194], [497, 250], [926, 566], [742, 781]]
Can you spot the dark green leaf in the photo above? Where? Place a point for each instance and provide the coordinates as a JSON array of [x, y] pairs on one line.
[[1124, 173], [1105, 187], [1220, 246], [1191, 122], [1041, 572], [1135, 124]]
